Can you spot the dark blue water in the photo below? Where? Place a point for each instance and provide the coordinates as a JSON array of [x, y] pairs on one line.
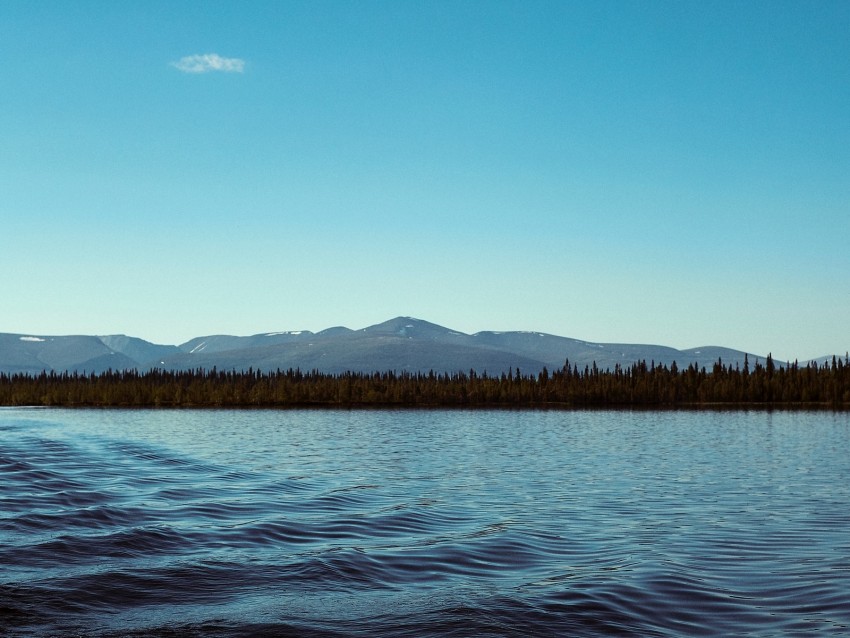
[[412, 523]]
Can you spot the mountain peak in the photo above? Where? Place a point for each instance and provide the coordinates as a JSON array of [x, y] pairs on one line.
[[409, 327]]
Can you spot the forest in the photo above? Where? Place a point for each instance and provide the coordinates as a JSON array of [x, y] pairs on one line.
[[648, 385]]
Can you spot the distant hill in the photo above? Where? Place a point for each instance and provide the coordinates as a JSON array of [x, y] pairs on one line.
[[400, 344], [33, 354]]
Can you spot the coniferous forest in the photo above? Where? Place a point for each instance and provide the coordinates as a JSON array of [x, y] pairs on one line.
[[640, 385]]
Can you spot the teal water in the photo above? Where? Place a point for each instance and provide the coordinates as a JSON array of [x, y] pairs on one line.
[[411, 523]]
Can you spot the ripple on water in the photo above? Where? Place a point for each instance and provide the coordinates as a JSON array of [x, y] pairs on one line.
[[409, 523]]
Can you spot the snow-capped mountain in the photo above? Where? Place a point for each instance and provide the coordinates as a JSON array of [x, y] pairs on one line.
[[400, 344]]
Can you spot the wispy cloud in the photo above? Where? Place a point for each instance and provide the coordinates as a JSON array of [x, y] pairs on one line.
[[209, 62]]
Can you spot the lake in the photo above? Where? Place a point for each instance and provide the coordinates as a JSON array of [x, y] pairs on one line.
[[424, 522]]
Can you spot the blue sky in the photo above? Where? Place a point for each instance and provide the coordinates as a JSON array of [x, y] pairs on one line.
[[652, 172]]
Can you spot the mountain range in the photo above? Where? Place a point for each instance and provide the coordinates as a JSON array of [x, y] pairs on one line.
[[400, 344]]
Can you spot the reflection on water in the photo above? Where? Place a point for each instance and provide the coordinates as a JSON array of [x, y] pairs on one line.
[[348, 523]]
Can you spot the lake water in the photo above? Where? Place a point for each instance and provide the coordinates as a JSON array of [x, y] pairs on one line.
[[434, 523]]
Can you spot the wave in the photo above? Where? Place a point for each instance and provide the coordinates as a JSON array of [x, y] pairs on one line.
[[106, 534]]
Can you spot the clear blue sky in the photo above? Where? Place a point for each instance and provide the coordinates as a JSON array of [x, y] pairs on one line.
[[653, 172]]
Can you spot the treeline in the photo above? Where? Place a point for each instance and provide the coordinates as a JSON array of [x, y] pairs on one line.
[[637, 385]]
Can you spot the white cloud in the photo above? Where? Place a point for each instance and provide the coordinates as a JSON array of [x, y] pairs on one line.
[[209, 62]]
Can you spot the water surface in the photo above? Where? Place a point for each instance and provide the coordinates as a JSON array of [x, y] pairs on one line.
[[411, 523]]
